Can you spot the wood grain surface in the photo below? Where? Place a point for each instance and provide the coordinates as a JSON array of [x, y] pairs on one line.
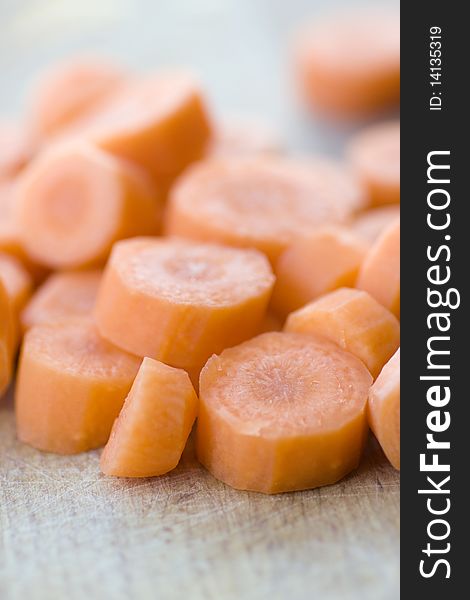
[[69, 532]]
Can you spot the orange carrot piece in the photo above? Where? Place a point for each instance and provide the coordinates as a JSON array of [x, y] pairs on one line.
[[63, 296], [349, 64], [324, 261], [375, 156], [180, 302], [150, 433], [71, 386], [159, 123], [16, 149], [16, 280], [282, 412], [384, 409], [18, 286], [371, 223], [9, 235], [68, 91], [75, 201], [353, 320], [243, 137], [380, 272], [6, 339], [263, 203]]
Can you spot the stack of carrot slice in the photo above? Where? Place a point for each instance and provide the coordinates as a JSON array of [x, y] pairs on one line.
[[254, 294]]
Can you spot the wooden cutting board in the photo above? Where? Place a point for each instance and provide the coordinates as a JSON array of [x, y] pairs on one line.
[[68, 532]]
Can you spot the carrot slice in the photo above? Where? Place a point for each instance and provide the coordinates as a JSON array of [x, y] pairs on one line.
[[16, 149], [71, 386], [375, 156], [9, 235], [263, 203], [63, 296], [179, 302], [380, 272], [328, 259], [349, 64], [18, 286], [69, 90], [282, 412], [76, 201], [6, 339], [150, 433], [158, 122], [371, 223], [353, 320], [240, 137], [384, 409], [16, 280]]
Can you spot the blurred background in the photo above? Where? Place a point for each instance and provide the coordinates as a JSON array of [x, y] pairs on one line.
[[238, 48]]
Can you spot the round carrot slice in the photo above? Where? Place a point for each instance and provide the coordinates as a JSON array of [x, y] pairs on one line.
[[158, 122], [179, 302], [349, 64], [76, 201], [282, 412], [69, 90], [71, 386], [16, 280], [353, 320], [9, 239], [371, 223], [63, 296], [375, 156], [263, 203], [150, 433], [16, 149], [6, 339], [10, 242], [327, 259], [18, 286], [239, 137], [380, 272], [384, 409]]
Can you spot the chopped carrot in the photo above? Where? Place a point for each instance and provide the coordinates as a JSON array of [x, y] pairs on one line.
[[282, 412], [380, 272], [353, 320], [68, 91], [324, 261], [264, 203], [349, 65], [6, 339], [150, 433], [75, 201], [9, 235], [71, 386], [16, 149], [384, 409], [375, 156], [180, 302], [16, 280], [159, 123], [18, 286], [243, 137], [371, 223], [62, 296]]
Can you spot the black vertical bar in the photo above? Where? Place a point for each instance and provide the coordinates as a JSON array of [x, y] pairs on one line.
[[423, 131]]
